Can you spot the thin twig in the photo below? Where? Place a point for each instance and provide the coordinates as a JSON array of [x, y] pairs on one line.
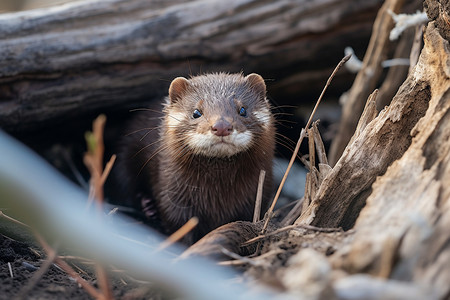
[[294, 213], [103, 282], [257, 213], [74, 170], [237, 257], [12, 219], [63, 265], [177, 235], [93, 160], [108, 168], [256, 261], [297, 147], [10, 270], [25, 291]]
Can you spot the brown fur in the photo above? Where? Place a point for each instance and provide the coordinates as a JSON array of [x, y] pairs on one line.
[[181, 181]]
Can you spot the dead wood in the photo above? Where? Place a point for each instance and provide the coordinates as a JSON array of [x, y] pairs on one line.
[[369, 113], [396, 74], [230, 237], [367, 78], [383, 141], [399, 162], [402, 233], [438, 11], [60, 63], [398, 248]]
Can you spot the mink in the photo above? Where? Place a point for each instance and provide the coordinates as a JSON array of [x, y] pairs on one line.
[[202, 154]]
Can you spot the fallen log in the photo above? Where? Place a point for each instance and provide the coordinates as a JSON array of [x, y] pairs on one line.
[[60, 63]]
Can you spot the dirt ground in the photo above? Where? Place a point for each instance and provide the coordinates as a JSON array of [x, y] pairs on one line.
[[26, 283], [18, 265]]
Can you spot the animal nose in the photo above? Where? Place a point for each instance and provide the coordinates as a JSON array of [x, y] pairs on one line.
[[222, 128]]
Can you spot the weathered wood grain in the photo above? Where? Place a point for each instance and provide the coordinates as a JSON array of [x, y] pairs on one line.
[[402, 233], [366, 80], [62, 62], [383, 141]]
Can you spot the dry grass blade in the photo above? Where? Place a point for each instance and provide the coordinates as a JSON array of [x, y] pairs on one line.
[[237, 257], [294, 213], [177, 235], [299, 142], [103, 282], [12, 219], [262, 176], [10, 270], [260, 260], [108, 168]]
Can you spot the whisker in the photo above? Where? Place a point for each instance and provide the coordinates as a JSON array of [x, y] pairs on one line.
[[285, 126], [148, 132], [284, 114], [281, 121], [286, 146], [147, 109], [150, 158], [142, 129], [145, 147], [284, 106], [173, 117], [277, 134]]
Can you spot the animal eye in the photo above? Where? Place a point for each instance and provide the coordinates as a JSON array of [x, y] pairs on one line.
[[243, 112], [197, 114]]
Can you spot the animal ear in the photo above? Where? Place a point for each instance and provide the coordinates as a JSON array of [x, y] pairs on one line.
[[178, 88], [256, 83]]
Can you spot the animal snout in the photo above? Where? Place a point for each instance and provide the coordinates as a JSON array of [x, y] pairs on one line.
[[222, 128]]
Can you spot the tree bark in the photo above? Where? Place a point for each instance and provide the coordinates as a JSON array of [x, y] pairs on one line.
[[65, 61]]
